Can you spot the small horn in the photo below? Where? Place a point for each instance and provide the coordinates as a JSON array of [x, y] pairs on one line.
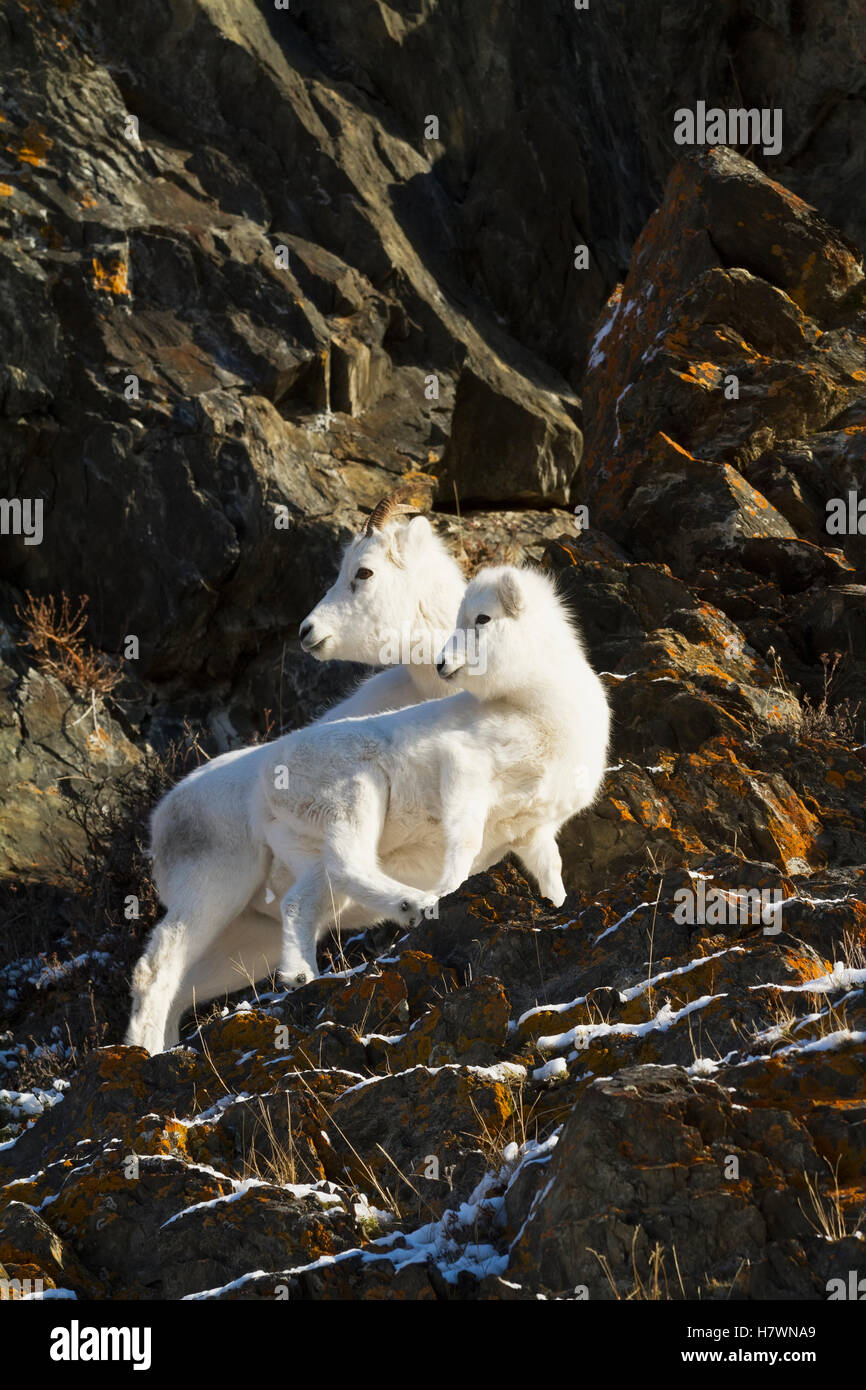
[[398, 503]]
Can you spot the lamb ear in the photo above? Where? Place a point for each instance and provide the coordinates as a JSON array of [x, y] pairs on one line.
[[416, 532], [510, 596]]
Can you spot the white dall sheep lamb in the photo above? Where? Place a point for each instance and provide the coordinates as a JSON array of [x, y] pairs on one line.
[[370, 809], [393, 603]]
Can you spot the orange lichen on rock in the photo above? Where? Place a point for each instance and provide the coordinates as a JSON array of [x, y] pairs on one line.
[[111, 276], [705, 374], [31, 146]]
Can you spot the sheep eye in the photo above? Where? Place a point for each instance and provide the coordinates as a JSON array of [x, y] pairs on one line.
[[364, 574], [482, 618]]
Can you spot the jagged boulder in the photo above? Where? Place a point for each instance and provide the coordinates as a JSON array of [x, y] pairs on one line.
[[733, 336]]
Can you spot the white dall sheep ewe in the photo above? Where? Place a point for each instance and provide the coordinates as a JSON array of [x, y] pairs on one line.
[[394, 603], [426, 796]]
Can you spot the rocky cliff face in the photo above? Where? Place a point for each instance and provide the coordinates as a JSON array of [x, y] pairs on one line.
[[242, 294]]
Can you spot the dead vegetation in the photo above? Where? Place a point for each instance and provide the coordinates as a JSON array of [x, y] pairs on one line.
[[826, 717], [651, 1285], [55, 633], [830, 1213]]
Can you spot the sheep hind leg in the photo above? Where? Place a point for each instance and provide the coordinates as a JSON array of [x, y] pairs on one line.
[[154, 984], [209, 900], [246, 951]]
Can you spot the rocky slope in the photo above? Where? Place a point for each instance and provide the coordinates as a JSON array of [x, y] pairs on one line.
[[234, 275]]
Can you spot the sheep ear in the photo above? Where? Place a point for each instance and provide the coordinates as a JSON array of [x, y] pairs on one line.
[[419, 529], [415, 533], [510, 596]]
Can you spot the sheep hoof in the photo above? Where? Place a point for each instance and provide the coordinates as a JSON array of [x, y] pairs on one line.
[[291, 981], [414, 910], [409, 913]]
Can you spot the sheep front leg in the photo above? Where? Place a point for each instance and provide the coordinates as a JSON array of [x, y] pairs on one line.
[[463, 816], [539, 853], [463, 843], [303, 910], [350, 852]]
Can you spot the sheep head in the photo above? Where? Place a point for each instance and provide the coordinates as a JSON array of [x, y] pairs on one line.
[[396, 579]]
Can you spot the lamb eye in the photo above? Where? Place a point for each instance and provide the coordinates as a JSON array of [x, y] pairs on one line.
[[364, 574], [482, 618]]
